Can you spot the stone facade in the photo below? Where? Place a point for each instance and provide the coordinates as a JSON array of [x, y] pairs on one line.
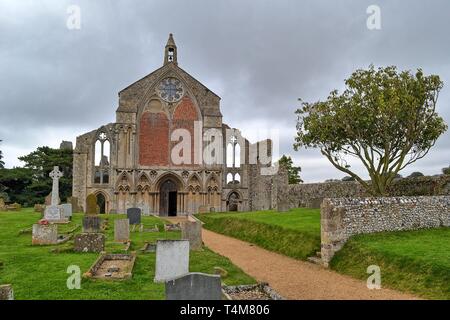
[[130, 163], [344, 217], [311, 194]]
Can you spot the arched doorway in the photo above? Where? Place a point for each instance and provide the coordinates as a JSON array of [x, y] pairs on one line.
[[168, 198], [233, 200], [101, 202]]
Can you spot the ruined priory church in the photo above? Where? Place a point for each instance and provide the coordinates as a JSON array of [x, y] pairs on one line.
[[135, 162]]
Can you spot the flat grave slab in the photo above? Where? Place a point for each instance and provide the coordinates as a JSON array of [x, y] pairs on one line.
[[112, 267]]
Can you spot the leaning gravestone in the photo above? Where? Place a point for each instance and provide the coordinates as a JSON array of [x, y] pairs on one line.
[[121, 230], [91, 224], [91, 204], [172, 259], [53, 212], [192, 231], [66, 209], [89, 242], [6, 292], [44, 234], [134, 215], [194, 286]]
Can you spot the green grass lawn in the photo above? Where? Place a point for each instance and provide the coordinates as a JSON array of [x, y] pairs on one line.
[[295, 233], [412, 261], [37, 273]]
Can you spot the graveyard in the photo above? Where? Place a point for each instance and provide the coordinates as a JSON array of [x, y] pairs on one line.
[[40, 272]]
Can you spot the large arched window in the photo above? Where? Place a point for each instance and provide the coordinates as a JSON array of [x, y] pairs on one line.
[[102, 155], [233, 153]]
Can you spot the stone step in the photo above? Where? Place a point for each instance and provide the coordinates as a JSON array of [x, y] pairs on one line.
[[315, 260]]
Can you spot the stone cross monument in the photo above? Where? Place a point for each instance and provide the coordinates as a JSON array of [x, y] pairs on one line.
[[53, 211], [55, 175]]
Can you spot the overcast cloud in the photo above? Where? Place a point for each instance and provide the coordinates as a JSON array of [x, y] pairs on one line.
[[259, 56]]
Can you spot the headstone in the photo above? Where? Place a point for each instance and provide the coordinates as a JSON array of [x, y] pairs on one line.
[[282, 206], [39, 208], [6, 292], [192, 231], [14, 207], [66, 209], [89, 242], [53, 212], [2, 204], [194, 286], [91, 224], [44, 234], [91, 204], [134, 215], [145, 209], [75, 205], [172, 259], [121, 230]]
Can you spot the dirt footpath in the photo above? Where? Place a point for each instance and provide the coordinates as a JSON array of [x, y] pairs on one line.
[[294, 279]]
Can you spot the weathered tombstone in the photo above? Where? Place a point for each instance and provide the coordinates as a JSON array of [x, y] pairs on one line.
[[91, 224], [172, 259], [2, 204], [6, 292], [44, 234], [66, 209], [53, 212], [194, 286], [91, 204], [134, 215], [282, 206], [89, 242], [192, 231], [121, 230], [75, 205]]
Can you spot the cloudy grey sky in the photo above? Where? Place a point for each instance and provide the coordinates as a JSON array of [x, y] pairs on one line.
[[259, 56]]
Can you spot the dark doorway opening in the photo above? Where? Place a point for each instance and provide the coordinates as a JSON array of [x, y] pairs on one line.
[[172, 203], [101, 203], [168, 198], [232, 203]]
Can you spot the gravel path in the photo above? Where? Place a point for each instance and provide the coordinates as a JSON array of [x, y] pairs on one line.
[[294, 279]]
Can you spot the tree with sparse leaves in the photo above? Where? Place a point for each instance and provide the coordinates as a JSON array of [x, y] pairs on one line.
[[292, 171], [385, 118]]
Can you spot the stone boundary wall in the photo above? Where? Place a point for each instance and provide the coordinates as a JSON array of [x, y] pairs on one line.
[[342, 218], [311, 194]]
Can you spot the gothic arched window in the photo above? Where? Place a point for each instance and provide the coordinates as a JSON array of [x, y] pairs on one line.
[[102, 155], [233, 153]]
